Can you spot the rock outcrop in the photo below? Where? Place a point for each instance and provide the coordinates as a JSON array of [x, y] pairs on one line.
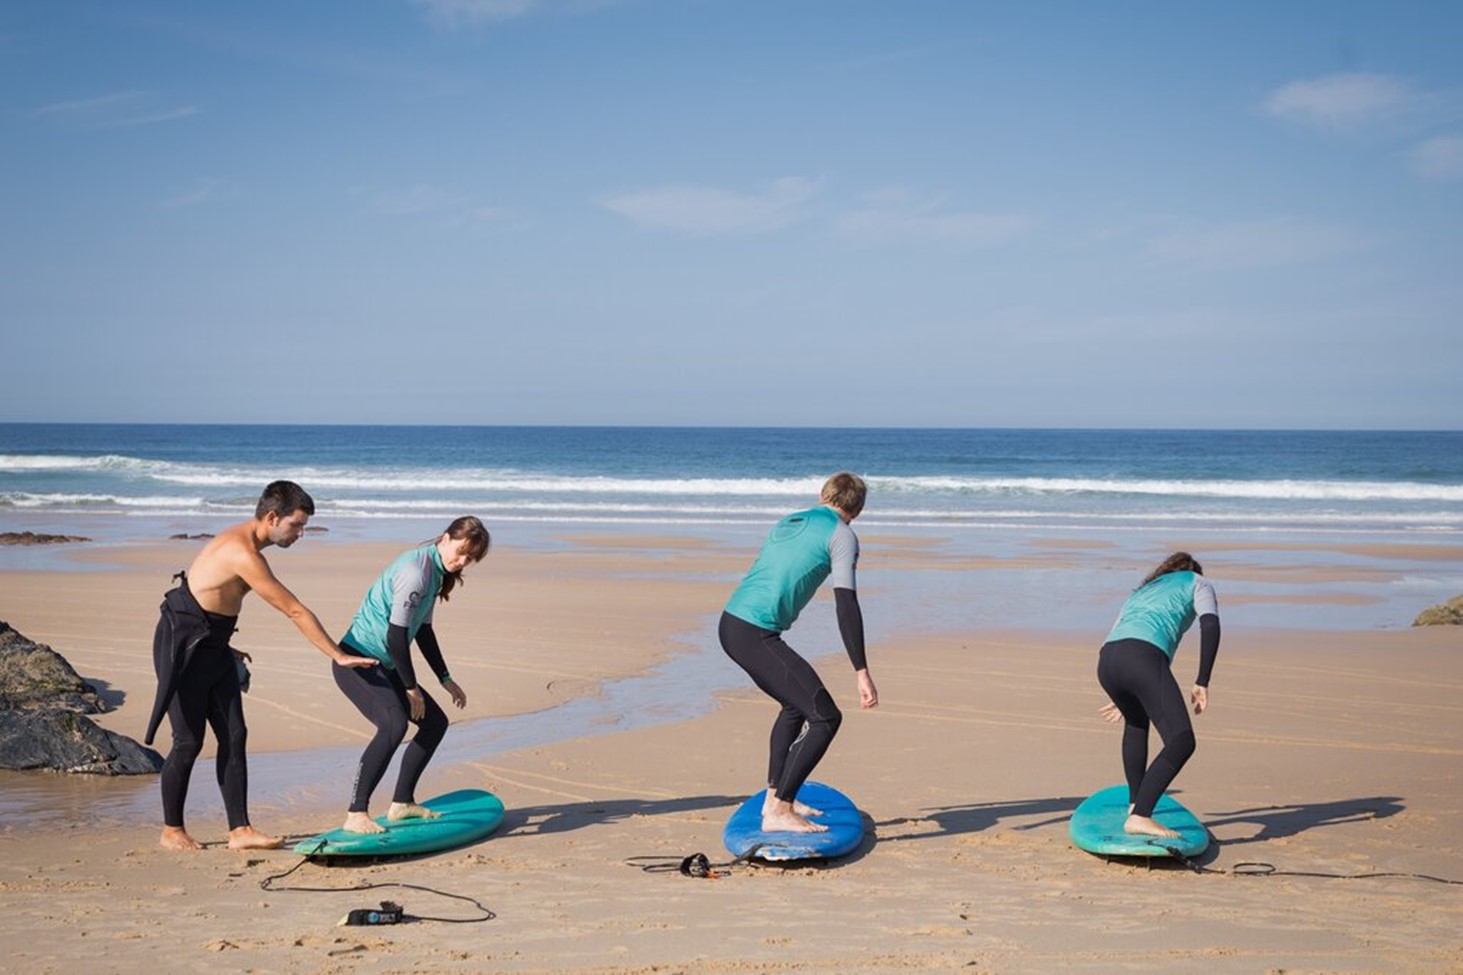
[[1443, 614], [44, 705]]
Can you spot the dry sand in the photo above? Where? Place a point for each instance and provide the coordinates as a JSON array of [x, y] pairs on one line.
[[1336, 753]]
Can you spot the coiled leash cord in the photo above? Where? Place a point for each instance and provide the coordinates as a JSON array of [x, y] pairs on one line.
[[268, 884], [696, 865]]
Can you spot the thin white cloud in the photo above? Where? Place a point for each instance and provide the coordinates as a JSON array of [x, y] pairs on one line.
[[203, 190], [896, 216], [121, 109], [709, 210], [1342, 101], [1254, 244], [1438, 159]]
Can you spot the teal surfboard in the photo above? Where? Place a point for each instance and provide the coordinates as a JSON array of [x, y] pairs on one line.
[[744, 835], [466, 815], [1097, 827]]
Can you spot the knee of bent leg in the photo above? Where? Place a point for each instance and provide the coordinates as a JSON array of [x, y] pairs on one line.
[[1183, 745], [826, 711], [393, 725]]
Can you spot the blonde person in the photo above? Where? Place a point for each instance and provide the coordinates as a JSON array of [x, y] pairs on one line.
[[801, 551]]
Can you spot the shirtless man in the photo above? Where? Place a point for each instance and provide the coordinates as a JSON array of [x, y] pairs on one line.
[[199, 673]]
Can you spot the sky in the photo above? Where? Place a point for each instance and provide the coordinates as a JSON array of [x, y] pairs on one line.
[[733, 212]]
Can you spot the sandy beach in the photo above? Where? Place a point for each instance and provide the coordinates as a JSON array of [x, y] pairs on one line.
[[1324, 752]]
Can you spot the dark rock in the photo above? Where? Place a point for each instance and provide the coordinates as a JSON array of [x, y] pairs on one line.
[[32, 675], [44, 705], [185, 537], [65, 741], [31, 538], [1449, 613]]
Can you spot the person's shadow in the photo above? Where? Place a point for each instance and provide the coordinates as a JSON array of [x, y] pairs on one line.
[[543, 820], [981, 816], [1279, 821]]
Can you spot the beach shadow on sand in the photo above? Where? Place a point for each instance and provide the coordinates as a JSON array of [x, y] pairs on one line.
[[538, 820], [1276, 822], [112, 697], [980, 816]]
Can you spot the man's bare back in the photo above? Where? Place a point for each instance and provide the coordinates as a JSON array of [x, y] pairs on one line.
[[226, 570]]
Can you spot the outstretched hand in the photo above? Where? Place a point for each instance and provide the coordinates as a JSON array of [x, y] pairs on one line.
[[1110, 713], [354, 662]]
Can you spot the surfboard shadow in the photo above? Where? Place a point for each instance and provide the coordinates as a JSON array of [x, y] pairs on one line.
[[980, 816], [1277, 822], [539, 820]]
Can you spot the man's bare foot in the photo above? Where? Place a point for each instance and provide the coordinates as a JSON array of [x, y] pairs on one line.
[[409, 810], [802, 809], [249, 838], [361, 822], [177, 838], [1143, 826]]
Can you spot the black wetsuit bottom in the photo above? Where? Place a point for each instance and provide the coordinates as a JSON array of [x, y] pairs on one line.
[[379, 694], [208, 694], [1138, 678], [809, 719]]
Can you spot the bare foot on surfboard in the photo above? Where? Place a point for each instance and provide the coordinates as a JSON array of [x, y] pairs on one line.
[[177, 838], [1143, 826], [801, 809], [361, 822], [249, 838], [782, 819], [409, 810]]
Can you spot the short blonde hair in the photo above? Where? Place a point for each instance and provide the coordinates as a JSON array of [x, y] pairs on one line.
[[846, 492]]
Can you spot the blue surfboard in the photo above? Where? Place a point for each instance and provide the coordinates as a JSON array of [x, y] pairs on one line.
[[744, 836], [466, 815], [1097, 827]]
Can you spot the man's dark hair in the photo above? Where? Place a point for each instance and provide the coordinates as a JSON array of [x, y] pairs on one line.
[[284, 498]]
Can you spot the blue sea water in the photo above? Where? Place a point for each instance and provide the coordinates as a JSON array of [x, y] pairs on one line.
[[128, 478]]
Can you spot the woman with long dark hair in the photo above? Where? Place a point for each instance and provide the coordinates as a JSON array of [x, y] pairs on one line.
[[396, 612], [1134, 668]]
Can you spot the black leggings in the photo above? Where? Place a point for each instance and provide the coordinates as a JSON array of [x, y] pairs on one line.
[[809, 718], [1137, 676], [379, 694], [208, 694]]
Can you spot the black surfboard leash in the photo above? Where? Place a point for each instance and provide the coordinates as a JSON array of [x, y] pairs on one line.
[[1259, 868], [696, 865], [268, 883]]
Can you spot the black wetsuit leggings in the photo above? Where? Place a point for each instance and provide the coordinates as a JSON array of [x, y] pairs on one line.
[[208, 694], [379, 694], [1138, 678], [809, 718]]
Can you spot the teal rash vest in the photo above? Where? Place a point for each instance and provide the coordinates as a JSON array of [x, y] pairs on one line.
[[404, 594], [801, 551], [1161, 612]]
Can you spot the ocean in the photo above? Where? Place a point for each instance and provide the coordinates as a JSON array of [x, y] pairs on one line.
[[990, 493], [128, 480]]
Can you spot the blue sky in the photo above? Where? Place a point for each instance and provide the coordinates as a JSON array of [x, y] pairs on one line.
[[804, 212]]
